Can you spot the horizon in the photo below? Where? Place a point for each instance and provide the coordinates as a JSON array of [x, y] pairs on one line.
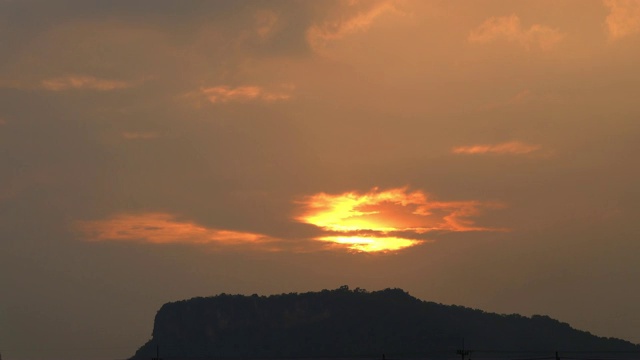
[[480, 153]]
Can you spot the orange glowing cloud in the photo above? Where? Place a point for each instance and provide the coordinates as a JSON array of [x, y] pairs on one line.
[[370, 243], [225, 94], [162, 228], [513, 147], [509, 28], [386, 220], [338, 28], [78, 82], [623, 18]]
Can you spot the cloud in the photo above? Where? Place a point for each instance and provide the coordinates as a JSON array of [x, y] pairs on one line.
[[509, 28], [266, 22], [83, 82], [140, 135], [163, 228], [369, 244], [334, 29], [623, 19], [225, 94], [387, 220], [512, 147]]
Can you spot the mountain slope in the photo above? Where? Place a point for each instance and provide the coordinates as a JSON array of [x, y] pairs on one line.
[[349, 323]]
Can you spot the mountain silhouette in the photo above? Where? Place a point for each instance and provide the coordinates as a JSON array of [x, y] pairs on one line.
[[357, 323]]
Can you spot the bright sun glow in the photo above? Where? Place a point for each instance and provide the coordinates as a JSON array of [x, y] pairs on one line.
[[373, 221], [355, 212], [371, 244]]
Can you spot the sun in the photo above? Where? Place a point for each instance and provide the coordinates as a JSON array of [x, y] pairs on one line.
[[371, 243], [378, 213], [386, 220]]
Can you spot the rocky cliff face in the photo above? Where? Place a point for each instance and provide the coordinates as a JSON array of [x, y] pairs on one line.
[[350, 323]]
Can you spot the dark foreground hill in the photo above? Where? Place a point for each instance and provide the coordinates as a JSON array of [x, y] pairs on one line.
[[354, 323]]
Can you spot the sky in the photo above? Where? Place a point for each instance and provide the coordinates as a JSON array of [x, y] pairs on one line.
[[478, 153]]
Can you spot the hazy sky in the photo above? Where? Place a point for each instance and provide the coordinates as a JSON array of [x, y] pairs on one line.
[[480, 153]]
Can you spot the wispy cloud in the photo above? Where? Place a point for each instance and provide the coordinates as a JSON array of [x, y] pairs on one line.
[[140, 135], [83, 82], [222, 94], [512, 147], [266, 22], [226, 94], [164, 228], [509, 28], [387, 220], [623, 19], [335, 29]]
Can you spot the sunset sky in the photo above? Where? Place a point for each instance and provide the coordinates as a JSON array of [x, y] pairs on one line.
[[480, 153]]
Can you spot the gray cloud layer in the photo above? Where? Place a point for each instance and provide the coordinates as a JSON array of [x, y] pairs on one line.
[[105, 111]]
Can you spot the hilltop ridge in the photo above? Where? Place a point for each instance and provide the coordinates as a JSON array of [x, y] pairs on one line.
[[352, 323]]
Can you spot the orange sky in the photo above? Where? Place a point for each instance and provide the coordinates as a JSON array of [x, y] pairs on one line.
[[479, 153]]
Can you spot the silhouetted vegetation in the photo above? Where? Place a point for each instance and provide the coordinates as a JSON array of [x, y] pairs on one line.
[[351, 323]]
